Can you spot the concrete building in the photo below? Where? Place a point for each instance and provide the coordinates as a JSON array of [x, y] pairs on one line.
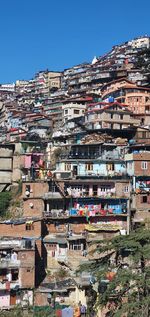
[[113, 115], [137, 98], [72, 110], [140, 42]]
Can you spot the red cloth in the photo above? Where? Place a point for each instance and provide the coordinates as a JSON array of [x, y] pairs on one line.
[[103, 212], [58, 313], [8, 286]]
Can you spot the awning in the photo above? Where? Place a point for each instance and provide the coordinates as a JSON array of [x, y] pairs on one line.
[[103, 227], [54, 240], [73, 238]]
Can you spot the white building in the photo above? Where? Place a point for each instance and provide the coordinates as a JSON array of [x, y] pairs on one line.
[[140, 42], [72, 110], [7, 87]]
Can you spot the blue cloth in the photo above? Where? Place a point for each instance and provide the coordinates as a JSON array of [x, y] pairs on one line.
[[83, 309], [67, 312]]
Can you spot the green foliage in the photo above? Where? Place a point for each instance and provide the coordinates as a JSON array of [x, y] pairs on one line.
[[128, 258], [19, 191], [5, 198], [61, 273], [18, 311]]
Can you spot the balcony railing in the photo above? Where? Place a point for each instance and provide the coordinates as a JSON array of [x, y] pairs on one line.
[[13, 284], [9, 263]]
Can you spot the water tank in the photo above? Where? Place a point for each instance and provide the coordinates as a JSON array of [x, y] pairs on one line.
[[131, 142], [111, 99], [102, 286], [28, 244]]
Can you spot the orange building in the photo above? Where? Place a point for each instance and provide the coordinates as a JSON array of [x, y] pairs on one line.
[[124, 91]]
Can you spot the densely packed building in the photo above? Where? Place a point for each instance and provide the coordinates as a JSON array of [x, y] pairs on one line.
[[76, 144]]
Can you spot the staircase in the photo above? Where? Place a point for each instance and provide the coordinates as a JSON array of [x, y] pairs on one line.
[[60, 187]]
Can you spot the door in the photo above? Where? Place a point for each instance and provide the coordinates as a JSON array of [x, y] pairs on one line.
[[13, 299]]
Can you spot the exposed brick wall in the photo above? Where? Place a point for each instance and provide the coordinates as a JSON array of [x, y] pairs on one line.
[[120, 189], [138, 158], [78, 228], [36, 210], [137, 202], [27, 268], [27, 277], [11, 230], [139, 171], [40, 299], [38, 188], [52, 228], [59, 227]]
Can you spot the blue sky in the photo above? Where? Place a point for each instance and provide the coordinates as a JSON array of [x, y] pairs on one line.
[[56, 34]]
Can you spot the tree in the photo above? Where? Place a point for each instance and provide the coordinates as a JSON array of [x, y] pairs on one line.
[[19, 311], [122, 270], [5, 198]]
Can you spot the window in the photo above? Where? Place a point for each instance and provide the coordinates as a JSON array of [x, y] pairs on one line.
[[51, 246], [28, 188], [28, 270], [144, 199], [85, 191], [66, 111], [75, 245], [121, 116], [126, 189], [29, 226], [89, 167], [144, 134], [111, 116], [67, 167], [110, 167], [144, 165], [95, 187], [76, 111]]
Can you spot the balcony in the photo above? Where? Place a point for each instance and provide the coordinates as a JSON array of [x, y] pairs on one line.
[[37, 174], [111, 210], [9, 263], [107, 175], [12, 285]]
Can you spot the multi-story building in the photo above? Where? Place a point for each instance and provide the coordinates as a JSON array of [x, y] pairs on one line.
[[89, 181], [138, 167], [137, 98], [109, 116], [73, 109], [140, 42], [46, 81]]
